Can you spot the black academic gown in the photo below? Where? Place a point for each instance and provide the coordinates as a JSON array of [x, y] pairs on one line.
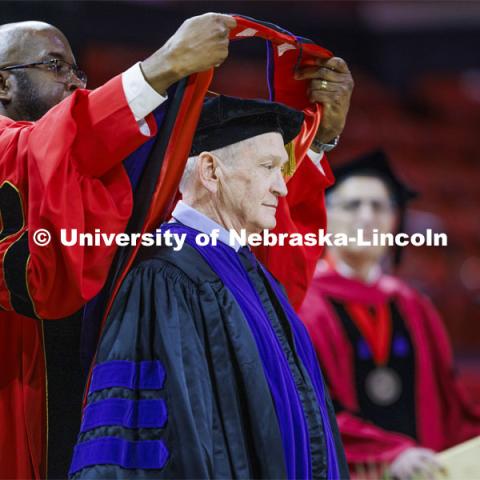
[[221, 418]]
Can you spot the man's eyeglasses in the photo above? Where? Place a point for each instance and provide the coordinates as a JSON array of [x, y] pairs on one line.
[[62, 69], [379, 207]]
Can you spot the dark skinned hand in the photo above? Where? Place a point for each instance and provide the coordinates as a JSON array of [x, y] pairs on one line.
[[332, 86]]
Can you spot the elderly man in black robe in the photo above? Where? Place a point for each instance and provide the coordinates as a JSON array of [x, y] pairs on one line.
[[203, 369]]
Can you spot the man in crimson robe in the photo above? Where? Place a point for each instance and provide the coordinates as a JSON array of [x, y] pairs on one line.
[[382, 345], [80, 182], [61, 154]]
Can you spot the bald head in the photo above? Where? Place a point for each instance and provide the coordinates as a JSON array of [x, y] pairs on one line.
[[28, 93], [19, 41]]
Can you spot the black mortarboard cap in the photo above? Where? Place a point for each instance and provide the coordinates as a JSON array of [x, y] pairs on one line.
[[227, 120], [376, 164]]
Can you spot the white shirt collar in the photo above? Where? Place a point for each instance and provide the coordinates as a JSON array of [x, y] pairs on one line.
[[346, 271], [192, 218]]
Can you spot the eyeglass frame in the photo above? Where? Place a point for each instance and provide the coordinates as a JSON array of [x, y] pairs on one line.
[[73, 68], [380, 208]]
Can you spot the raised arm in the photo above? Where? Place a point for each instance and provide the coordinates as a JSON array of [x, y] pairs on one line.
[[65, 172]]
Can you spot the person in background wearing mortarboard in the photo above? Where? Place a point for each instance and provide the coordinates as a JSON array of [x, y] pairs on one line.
[[201, 346], [382, 345]]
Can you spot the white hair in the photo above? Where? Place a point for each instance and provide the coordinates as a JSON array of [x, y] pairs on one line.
[[225, 154], [187, 172]]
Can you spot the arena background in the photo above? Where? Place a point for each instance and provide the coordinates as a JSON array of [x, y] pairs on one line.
[[417, 71]]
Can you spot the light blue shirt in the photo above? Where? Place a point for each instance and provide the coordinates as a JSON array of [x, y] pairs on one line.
[[192, 218]]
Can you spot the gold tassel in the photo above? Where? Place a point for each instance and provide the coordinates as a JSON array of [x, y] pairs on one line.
[[289, 168]]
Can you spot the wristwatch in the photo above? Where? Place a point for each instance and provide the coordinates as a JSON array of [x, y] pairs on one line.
[[326, 147]]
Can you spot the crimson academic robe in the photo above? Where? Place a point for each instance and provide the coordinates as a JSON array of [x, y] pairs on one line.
[[440, 414], [63, 171], [22, 397]]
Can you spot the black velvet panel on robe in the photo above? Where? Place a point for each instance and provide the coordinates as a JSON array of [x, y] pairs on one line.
[[399, 415], [221, 418]]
